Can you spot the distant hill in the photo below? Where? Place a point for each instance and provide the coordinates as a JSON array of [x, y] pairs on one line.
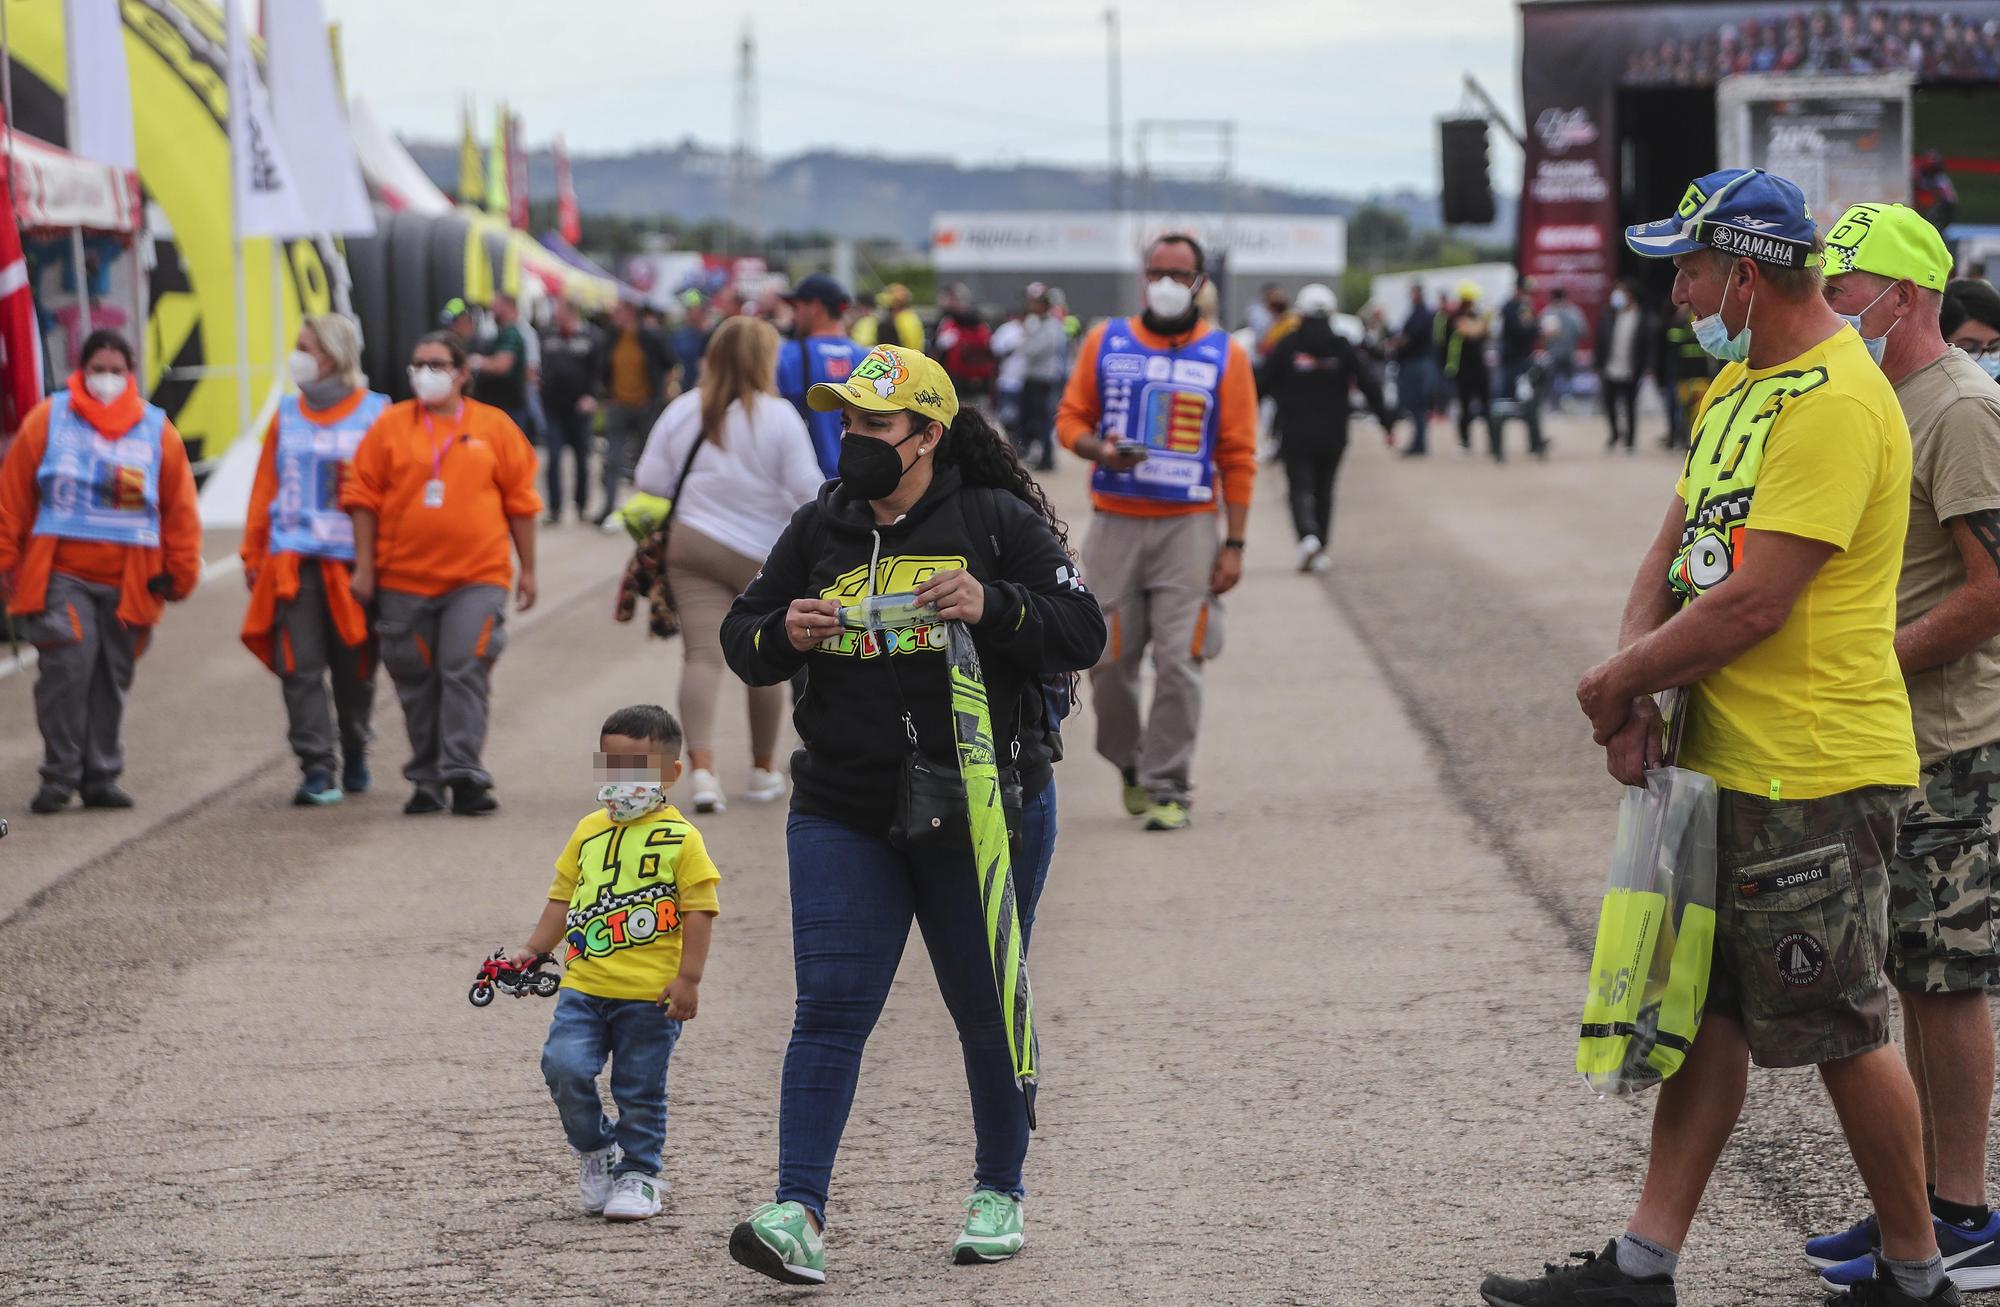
[[862, 196]]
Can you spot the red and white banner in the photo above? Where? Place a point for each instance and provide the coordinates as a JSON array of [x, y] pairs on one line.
[[569, 221], [517, 175]]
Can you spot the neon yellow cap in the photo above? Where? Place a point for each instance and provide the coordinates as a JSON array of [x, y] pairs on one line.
[[889, 378], [1889, 240]]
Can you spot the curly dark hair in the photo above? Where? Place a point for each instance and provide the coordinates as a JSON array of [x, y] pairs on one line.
[[984, 457]]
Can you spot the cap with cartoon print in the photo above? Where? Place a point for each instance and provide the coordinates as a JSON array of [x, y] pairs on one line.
[[889, 378]]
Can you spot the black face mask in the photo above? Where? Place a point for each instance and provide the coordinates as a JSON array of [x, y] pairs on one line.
[[871, 468]]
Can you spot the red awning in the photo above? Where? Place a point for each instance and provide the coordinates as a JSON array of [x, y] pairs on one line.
[[56, 189]]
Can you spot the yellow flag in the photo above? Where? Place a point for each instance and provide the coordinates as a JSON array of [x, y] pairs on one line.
[[471, 177], [496, 166]]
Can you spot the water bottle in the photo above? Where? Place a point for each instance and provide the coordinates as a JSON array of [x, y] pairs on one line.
[[887, 612]]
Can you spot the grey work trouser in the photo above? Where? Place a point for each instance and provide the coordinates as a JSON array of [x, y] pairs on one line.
[[1151, 576], [86, 661], [309, 649], [440, 650]]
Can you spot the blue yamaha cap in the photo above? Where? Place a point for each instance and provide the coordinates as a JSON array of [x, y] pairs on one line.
[[821, 289], [1743, 212]]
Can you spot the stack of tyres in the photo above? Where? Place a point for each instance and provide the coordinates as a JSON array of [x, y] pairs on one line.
[[1655, 935]]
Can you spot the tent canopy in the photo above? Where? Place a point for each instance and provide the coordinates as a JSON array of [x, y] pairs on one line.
[[56, 189]]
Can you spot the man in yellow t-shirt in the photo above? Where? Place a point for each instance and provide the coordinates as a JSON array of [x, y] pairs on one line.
[[1770, 594], [632, 903]]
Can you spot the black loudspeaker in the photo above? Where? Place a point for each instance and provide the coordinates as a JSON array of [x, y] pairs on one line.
[[1468, 185]]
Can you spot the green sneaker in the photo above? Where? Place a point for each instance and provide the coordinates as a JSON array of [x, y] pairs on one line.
[[1136, 798], [992, 1230], [1170, 814], [779, 1241]]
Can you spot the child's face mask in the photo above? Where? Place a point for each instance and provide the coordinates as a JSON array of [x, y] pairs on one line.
[[631, 800]]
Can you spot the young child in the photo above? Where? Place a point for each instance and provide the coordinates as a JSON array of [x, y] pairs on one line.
[[633, 903]]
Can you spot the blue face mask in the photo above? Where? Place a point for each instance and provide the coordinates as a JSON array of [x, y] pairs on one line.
[[1991, 362], [1876, 344], [1714, 337]]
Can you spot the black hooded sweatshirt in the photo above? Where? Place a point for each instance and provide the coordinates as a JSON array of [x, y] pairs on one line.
[[1039, 619]]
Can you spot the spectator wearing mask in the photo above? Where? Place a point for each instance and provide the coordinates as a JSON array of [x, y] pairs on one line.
[[737, 461], [1971, 321], [1622, 340], [1310, 373], [1414, 347], [501, 367], [1563, 330], [1045, 362], [964, 345], [572, 372], [819, 351], [638, 378], [98, 532], [441, 486], [303, 621]]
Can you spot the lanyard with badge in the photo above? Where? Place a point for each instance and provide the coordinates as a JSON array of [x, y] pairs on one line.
[[434, 488]]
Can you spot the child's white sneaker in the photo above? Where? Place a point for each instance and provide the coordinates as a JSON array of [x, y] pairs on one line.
[[765, 786], [707, 792], [593, 1180], [634, 1197]]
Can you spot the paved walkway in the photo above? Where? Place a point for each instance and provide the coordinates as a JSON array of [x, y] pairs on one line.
[[1315, 1050]]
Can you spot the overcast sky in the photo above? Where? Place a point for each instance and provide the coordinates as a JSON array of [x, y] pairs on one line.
[[1337, 95]]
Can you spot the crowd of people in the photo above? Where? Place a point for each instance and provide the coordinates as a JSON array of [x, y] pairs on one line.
[[1936, 45], [839, 500]]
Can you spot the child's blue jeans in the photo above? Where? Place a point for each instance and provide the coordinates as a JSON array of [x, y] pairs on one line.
[[638, 1038]]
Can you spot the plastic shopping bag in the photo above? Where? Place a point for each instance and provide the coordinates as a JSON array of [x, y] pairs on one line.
[[1655, 933]]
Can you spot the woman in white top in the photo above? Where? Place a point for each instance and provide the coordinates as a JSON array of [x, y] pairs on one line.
[[753, 470]]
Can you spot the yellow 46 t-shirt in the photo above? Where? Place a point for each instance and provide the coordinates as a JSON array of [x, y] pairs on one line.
[[628, 885], [1815, 447]]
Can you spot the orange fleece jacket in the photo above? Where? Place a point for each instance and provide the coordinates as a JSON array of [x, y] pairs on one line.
[[1235, 423]]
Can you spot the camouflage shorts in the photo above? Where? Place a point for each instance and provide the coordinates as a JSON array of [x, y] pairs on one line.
[[1942, 881], [1802, 922]]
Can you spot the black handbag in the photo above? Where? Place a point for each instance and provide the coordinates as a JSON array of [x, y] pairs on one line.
[[931, 805]]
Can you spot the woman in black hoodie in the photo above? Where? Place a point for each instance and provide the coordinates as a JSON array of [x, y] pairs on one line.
[[931, 500]]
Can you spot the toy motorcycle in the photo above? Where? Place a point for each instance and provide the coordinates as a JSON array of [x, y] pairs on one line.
[[496, 974]]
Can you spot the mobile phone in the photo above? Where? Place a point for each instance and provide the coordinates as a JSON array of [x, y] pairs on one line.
[[1133, 447]]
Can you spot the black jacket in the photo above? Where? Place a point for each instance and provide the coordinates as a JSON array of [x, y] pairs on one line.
[[1309, 372], [1039, 619], [572, 367]]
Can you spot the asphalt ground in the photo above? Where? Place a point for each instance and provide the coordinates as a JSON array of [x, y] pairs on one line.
[[1316, 1049]]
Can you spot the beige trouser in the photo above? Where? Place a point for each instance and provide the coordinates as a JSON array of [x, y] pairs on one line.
[[706, 577], [1150, 574]]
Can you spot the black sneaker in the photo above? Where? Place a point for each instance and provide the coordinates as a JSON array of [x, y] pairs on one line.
[[471, 799], [317, 790], [354, 777], [105, 794], [423, 801], [1886, 1293], [1590, 1280], [50, 798]]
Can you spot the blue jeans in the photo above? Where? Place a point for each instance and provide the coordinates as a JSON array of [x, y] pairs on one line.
[[638, 1038], [1416, 388], [853, 895]]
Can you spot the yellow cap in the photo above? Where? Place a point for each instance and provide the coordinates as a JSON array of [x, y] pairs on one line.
[[890, 378], [1889, 240], [1468, 290]]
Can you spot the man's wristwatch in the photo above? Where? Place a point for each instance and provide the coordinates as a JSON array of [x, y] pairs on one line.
[[1232, 543]]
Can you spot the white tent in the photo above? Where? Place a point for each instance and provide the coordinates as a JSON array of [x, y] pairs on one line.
[[402, 183]]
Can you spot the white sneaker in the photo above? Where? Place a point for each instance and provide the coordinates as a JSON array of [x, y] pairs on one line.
[[707, 792], [1308, 547], [593, 1181], [634, 1197], [765, 786], [1320, 562]]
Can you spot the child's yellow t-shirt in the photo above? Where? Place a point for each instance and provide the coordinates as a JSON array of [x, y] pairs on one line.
[[628, 884]]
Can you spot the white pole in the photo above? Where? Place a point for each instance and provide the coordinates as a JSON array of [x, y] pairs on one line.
[[236, 247]]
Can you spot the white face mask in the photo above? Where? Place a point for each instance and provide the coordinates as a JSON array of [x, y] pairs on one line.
[[305, 368], [105, 387], [430, 385], [631, 800], [1168, 299]]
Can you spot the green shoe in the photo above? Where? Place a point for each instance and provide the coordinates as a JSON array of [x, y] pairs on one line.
[[1170, 814], [992, 1230], [1136, 798], [778, 1240]]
